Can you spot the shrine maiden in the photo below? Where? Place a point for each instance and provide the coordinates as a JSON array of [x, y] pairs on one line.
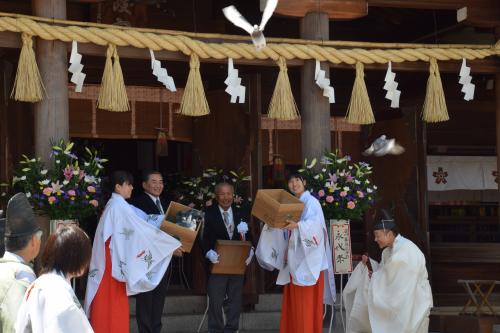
[[301, 252], [129, 256], [396, 297], [50, 305]]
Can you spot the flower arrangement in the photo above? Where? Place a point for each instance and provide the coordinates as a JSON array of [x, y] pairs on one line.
[[199, 192], [342, 187], [70, 190]]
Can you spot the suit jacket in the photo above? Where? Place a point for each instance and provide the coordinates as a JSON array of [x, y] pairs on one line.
[[145, 203], [215, 228]]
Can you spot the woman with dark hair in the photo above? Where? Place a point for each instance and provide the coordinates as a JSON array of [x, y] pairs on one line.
[[129, 256], [50, 305], [307, 274]]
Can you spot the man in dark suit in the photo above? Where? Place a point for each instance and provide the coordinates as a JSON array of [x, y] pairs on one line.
[[225, 222], [149, 305]]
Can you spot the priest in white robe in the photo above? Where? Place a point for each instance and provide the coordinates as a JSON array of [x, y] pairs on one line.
[[302, 254], [396, 296]]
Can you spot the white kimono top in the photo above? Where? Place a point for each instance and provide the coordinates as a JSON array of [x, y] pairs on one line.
[[303, 255], [397, 298], [140, 252], [50, 305]]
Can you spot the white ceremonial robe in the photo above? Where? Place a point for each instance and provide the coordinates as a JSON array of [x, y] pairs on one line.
[[140, 252], [397, 298], [50, 305], [307, 251]]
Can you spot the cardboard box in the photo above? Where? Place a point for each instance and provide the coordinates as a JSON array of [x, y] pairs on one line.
[[232, 256], [274, 207], [187, 236]]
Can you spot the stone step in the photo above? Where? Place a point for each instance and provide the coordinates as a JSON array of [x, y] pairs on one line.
[[187, 304], [249, 322]]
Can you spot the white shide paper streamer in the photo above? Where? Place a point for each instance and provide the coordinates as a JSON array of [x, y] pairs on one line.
[[76, 67], [233, 83], [466, 81], [324, 83], [391, 86], [161, 73]]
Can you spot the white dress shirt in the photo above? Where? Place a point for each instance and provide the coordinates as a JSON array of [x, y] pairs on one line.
[[230, 227]]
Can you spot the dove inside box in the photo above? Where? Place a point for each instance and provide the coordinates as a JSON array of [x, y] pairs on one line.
[[275, 206], [183, 223]]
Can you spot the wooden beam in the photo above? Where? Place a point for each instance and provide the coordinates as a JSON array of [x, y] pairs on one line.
[[418, 4]]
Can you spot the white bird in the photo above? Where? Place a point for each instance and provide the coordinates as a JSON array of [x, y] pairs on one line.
[[255, 31], [383, 146]]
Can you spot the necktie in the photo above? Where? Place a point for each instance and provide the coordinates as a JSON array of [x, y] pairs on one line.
[[158, 204], [229, 225]]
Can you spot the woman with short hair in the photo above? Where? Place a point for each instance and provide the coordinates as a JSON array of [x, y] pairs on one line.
[[50, 305]]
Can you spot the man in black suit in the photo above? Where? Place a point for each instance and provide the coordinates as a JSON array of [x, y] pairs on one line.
[[149, 305], [225, 222]]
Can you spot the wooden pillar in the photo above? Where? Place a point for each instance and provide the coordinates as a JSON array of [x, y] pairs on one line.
[[52, 113], [497, 97], [315, 109]]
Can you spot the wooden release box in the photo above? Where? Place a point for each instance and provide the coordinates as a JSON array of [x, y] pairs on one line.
[[274, 207], [232, 256], [187, 236]]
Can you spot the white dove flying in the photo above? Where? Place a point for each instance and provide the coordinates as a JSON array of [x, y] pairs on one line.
[[383, 146], [256, 31]]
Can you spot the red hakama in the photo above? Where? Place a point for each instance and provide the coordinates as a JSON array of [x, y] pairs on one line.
[[109, 308], [302, 308]]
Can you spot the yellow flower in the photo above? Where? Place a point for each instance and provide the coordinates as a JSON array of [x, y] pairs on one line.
[[86, 197]]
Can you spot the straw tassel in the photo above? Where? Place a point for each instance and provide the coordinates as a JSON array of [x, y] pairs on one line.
[[113, 94], [194, 102], [282, 105], [434, 109], [28, 85], [360, 110]]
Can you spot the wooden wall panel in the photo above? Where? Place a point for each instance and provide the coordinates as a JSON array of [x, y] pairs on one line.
[[147, 118], [80, 117], [182, 126], [113, 124]]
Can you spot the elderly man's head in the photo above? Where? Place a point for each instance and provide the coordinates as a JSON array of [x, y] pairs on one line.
[[152, 182], [224, 193]]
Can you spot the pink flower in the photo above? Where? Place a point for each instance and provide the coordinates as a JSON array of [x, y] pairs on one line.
[[321, 193], [71, 193], [51, 200], [329, 199], [68, 172], [81, 175], [361, 194], [343, 193], [47, 191], [91, 189], [350, 179], [94, 203], [351, 205], [208, 203]]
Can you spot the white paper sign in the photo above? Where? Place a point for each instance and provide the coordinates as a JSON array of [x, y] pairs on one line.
[[342, 253], [233, 83], [76, 67], [393, 94], [324, 83], [161, 73]]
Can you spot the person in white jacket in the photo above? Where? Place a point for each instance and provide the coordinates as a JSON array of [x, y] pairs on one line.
[[50, 305], [301, 252], [396, 296]]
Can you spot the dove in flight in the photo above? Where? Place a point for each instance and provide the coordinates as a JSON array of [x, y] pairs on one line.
[[255, 31], [383, 146]]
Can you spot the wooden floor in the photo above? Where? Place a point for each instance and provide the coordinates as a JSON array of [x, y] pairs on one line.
[[455, 310]]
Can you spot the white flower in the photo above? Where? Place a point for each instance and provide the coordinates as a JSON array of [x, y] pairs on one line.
[[234, 180], [89, 179], [374, 187], [86, 164], [65, 182], [26, 169], [57, 161], [350, 167], [357, 182], [45, 182], [369, 190], [312, 164], [28, 194], [44, 172], [33, 160], [316, 177], [23, 178], [346, 188], [15, 179], [76, 172], [323, 170], [367, 181]]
